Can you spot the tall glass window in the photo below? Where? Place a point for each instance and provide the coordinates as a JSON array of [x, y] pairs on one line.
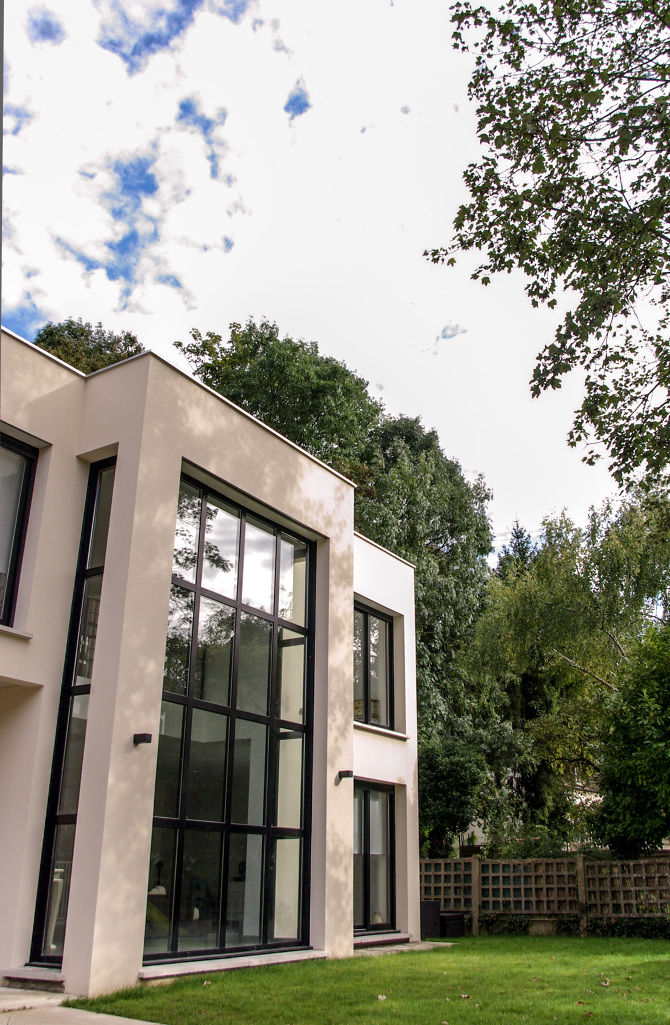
[[228, 867], [374, 875], [54, 885], [17, 467], [373, 667]]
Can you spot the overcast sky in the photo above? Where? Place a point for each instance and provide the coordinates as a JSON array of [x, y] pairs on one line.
[[195, 162]]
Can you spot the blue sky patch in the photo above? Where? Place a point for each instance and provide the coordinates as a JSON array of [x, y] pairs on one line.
[[227, 244], [24, 319], [44, 27], [234, 10], [298, 101], [134, 181], [191, 116], [135, 42], [16, 118], [170, 280]]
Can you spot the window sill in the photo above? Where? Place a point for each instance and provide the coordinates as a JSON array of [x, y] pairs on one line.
[[11, 632], [382, 731]]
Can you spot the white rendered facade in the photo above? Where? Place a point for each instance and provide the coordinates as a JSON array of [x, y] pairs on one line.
[[152, 424]]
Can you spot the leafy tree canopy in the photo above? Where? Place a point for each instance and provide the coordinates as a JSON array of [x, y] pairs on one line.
[[635, 773], [573, 189], [314, 400], [550, 651], [86, 347]]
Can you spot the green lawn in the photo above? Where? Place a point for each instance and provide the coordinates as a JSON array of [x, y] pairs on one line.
[[485, 981]]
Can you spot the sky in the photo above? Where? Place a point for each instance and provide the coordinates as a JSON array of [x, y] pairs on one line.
[[191, 163]]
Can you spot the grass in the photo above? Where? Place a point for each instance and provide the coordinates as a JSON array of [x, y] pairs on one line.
[[497, 980]]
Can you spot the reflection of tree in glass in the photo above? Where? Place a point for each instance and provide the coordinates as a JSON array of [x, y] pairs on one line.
[[216, 627], [186, 535], [180, 620], [254, 664]]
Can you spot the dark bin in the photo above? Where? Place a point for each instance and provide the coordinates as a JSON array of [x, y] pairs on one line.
[[452, 923], [430, 919]]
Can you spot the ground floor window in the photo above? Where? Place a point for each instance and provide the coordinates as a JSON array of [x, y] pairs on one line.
[[374, 876], [229, 867]]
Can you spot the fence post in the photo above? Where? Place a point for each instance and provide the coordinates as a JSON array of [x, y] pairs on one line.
[[475, 876], [582, 903]]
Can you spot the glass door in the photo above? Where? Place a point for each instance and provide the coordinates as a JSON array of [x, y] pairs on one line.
[[373, 858]]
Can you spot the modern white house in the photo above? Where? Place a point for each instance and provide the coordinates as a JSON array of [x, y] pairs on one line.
[[207, 688]]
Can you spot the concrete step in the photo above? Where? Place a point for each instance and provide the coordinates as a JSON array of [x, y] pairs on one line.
[[20, 999], [33, 977], [380, 939]]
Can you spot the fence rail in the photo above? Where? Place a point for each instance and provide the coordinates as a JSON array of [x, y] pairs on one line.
[[549, 887]]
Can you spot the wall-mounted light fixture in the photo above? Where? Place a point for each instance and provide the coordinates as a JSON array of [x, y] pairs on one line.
[[141, 738], [345, 774]]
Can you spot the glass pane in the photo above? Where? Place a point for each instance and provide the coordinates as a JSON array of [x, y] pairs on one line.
[[88, 629], [379, 858], [253, 672], [214, 656], [359, 665], [200, 887], [103, 507], [178, 642], [222, 541], [245, 884], [289, 784], [207, 766], [289, 699], [248, 792], [168, 765], [259, 566], [359, 860], [59, 891], [74, 753], [12, 466], [187, 532], [160, 891], [292, 580], [286, 919], [379, 670]]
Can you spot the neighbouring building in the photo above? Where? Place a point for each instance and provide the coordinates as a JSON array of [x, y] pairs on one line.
[[207, 687]]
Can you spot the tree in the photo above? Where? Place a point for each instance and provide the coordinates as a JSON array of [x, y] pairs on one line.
[[410, 498], [573, 189], [635, 773], [550, 652], [312, 399], [86, 347]]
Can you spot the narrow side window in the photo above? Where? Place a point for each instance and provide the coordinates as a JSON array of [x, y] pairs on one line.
[[17, 472]]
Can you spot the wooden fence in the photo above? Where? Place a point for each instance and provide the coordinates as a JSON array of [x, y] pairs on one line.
[[549, 887]]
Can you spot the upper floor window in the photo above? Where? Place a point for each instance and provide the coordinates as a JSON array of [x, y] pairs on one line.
[[17, 470], [373, 667]]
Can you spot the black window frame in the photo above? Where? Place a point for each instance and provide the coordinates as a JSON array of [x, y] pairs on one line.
[[269, 832], [367, 719], [368, 926], [22, 515], [69, 689]]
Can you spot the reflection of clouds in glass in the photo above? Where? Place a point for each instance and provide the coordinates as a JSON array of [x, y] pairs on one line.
[[259, 565], [292, 580], [222, 533]]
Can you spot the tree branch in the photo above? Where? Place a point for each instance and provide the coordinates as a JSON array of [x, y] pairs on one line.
[[583, 669]]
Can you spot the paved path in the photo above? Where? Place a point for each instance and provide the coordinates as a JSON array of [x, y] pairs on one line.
[[35, 1007]]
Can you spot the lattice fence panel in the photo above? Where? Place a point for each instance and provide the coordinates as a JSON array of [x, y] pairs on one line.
[[627, 888], [449, 881], [544, 887]]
